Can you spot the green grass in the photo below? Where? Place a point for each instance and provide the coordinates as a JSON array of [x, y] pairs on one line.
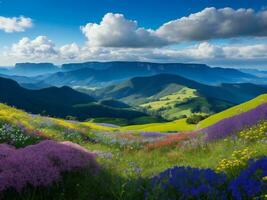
[[172, 106], [177, 125], [170, 100], [233, 111]]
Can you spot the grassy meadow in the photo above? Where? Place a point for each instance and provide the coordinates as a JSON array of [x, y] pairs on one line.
[[130, 156]]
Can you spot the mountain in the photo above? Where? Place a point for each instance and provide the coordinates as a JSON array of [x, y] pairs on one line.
[[92, 65], [26, 82], [59, 102], [35, 69], [31, 69], [173, 96], [255, 72], [102, 74]]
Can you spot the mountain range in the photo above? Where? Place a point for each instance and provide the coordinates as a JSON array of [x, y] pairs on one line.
[[99, 74]]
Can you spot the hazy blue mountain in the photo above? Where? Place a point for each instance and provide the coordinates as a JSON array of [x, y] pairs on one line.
[[95, 74], [31, 69], [92, 65], [27, 82], [255, 72]]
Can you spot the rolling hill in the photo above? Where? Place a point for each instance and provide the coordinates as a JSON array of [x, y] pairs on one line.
[[60, 102], [174, 96]]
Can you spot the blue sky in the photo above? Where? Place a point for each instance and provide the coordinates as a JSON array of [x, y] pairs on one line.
[[60, 21]]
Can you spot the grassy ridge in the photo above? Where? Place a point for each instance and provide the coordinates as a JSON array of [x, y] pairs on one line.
[[233, 111]]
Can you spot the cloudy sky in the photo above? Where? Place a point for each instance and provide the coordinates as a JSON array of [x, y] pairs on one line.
[[219, 33]]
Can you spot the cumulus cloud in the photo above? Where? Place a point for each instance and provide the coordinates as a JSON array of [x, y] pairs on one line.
[[213, 23], [116, 31], [39, 48], [15, 24], [42, 49]]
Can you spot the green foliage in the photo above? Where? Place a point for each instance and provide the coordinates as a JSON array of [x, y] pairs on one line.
[[195, 119]]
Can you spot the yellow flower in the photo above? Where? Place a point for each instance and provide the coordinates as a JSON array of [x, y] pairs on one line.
[[264, 178]]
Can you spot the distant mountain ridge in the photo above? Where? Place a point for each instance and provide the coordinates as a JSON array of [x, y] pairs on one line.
[[99, 74], [31, 69], [96, 73]]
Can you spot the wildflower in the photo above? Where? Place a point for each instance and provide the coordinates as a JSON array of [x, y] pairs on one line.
[[231, 126]]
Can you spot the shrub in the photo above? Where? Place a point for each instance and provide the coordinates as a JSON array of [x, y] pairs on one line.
[[41, 164], [194, 119]]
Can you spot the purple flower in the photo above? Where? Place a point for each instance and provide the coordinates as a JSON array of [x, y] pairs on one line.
[[249, 183], [232, 125], [152, 134], [42, 164], [189, 183]]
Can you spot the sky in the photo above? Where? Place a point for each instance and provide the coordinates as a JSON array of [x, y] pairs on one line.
[[219, 33]]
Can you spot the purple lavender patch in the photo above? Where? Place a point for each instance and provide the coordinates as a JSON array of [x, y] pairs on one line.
[[152, 134], [41, 164], [232, 125]]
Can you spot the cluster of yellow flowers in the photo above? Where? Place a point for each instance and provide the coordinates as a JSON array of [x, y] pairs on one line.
[[254, 133], [238, 159]]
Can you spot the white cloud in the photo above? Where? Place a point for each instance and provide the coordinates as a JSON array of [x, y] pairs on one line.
[[215, 23], [39, 48], [42, 49], [15, 24], [116, 31]]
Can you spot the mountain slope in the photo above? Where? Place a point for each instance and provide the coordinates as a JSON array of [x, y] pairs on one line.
[[59, 102], [180, 94], [234, 111]]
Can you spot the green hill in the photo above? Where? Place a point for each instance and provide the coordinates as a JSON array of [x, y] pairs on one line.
[[174, 97]]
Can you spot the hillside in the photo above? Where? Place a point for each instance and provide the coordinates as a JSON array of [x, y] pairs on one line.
[[59, 102], [174, 96], [233, 111]]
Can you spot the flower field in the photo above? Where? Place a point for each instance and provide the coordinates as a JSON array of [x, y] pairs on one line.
[[48, 158]]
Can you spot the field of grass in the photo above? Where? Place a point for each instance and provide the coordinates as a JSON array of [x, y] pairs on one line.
[[175, 105], [170, 100], [128, 158], [174, 126]]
